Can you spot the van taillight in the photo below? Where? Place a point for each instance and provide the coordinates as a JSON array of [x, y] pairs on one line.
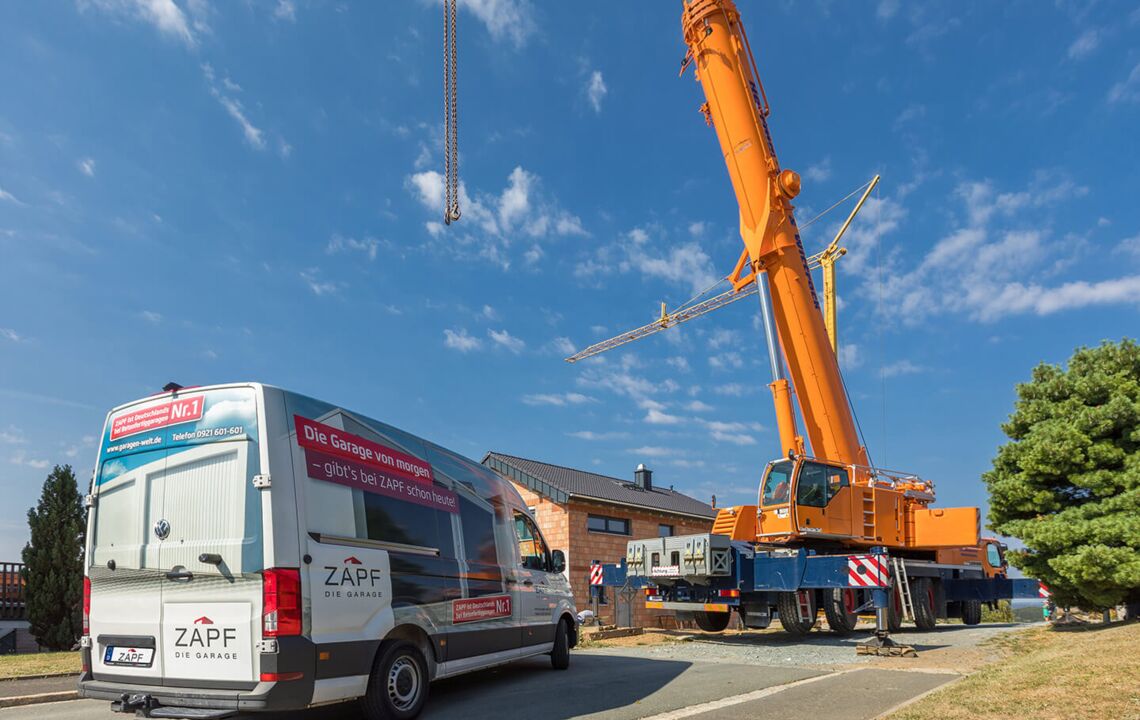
[[280, 602], [86, 605]]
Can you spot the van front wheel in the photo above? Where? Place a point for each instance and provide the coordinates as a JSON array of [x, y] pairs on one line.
[[560, 655], [398, 685]]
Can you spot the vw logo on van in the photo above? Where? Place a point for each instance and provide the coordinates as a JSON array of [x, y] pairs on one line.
[[162, 529]]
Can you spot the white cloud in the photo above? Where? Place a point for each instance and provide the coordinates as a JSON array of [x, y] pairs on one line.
[[367, 245], [505, 339], [492, 223], [253, 134], [819, 172], [9, 197], [86, 166], [887, 9], [164, 15], [654, 452], [511, 20], [686, 263], [318, 286], [1130, 245], [562, 346], [653, 416], [901, 367], [678, 363], [723, 337], [20, 457], [734, 389], [557, 399], [726, 361], [849, 357], [11, 335], [461, 341], [12, 436], [285, 10], [592, 436], [151, 317], [596, 90], [488, 313], [1085, 44], [698, 406], [1127, 90]]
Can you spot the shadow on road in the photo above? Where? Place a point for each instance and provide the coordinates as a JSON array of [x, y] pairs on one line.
[[594, 683]]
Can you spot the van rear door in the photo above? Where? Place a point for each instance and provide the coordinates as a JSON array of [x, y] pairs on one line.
[[126, 579], [183, 527]]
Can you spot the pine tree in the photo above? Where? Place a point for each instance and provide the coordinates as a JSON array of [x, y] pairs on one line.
[[53, 562], [1068, 483]]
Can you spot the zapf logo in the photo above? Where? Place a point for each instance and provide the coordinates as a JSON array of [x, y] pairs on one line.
[[352, 578], [203, 639]]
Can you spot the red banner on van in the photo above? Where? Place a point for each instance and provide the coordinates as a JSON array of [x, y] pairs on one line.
[[330, 468], [485, 608], [158, 416], [334, 441]]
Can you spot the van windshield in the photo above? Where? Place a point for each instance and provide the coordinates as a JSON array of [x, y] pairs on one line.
[[191, 494]]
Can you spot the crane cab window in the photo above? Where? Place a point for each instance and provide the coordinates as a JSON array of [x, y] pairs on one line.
[[532, 548], [993, 555], [777, 484], [817, 484]]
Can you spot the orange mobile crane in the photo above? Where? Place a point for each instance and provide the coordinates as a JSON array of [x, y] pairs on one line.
[[795, 549], [837, 496]]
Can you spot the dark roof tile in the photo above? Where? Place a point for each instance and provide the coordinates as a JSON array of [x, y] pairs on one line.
[[582, 484]]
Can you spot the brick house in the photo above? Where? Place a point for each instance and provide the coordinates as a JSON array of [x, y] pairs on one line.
[[591, 517]]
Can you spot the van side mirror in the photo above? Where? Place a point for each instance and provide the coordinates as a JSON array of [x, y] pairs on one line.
[[558, 560]]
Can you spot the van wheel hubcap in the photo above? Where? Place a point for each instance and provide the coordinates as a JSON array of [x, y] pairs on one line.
[[403, 683]]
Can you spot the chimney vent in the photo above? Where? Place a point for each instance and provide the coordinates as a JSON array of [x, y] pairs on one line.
[[643, 477]]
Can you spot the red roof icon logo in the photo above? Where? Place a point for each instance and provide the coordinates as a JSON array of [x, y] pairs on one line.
[[351, 560], [203, 621]]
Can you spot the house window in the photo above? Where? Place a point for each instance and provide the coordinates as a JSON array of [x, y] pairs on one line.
[[604, 524], [664, 530]]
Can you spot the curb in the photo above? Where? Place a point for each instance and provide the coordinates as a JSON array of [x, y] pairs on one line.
[[21, 700], [44, 676]]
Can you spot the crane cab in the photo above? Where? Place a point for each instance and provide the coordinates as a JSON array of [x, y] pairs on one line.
[[805, 497]]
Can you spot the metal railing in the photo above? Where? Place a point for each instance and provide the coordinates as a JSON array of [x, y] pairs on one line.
[[12, 592]]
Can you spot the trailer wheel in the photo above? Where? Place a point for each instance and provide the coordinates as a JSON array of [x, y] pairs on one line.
[[922, 595], [894, 610], [797, 620], [971, 612], [839, 607], [712, 621]]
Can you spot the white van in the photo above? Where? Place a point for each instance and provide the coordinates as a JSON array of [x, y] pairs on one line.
[[252, 549]]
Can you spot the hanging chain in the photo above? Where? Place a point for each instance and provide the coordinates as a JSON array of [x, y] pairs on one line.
[[451, 117]]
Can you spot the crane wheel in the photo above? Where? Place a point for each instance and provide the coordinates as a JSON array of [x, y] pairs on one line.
[[839, 607], [971, 612], [894, 610], [922, 595], [796, 611], [712, 621]]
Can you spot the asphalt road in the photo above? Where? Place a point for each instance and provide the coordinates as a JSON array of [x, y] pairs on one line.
[[621, 685]]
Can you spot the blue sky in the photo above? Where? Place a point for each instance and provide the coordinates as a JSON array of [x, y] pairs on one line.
[[208, 191]]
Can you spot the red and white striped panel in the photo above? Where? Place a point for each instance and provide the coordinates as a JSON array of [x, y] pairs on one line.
[[595, 574], [868, 571], [1043, 591]]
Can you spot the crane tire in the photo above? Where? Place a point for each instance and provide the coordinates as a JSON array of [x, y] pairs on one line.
[[894, 610], [712, 621], [922, 595], [839, 607], [788, 609], [971, 612]]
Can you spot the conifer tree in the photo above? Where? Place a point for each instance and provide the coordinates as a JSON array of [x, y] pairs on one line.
[[53, 562]]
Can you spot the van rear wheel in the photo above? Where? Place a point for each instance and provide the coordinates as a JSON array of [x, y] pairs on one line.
[[560, 655], [398, 685]]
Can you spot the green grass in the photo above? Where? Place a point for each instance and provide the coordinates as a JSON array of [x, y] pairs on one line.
[[1088, 672], [48, 663]]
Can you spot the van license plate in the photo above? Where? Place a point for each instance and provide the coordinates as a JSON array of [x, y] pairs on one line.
[[133, 657]]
